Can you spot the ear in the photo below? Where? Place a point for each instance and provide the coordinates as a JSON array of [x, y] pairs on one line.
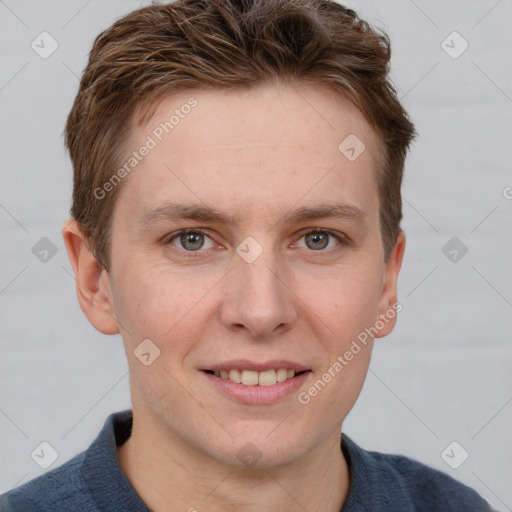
[[388, 306], [92, 281]]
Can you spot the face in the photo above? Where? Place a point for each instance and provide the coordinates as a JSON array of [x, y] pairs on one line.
[[281, 267]]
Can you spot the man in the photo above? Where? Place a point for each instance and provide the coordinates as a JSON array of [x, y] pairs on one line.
[[236, 218]]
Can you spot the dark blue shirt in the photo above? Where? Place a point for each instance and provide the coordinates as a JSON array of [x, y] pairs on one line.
[[93, 481]]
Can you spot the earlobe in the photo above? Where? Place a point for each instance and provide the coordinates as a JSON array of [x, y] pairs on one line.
[[92, 281], [388, 306]]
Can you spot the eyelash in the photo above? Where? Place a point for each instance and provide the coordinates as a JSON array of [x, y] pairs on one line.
[[343, 240]]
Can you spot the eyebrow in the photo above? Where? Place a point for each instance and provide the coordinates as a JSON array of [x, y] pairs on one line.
[[180, 211]]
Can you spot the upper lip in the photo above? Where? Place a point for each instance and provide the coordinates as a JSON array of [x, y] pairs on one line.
[[246, 364]]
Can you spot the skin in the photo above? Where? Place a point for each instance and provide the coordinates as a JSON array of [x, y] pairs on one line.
[[255, 155]]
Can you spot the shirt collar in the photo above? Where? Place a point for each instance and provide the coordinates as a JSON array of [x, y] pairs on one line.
[[107, 483], [102, 471]]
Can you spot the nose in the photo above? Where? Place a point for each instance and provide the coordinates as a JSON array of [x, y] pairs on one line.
[[259, 301]]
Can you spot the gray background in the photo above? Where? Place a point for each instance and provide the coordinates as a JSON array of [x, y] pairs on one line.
[[443, 375]]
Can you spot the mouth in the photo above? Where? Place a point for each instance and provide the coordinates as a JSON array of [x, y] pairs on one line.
[[250, 386], [249, 382], [269, 377]]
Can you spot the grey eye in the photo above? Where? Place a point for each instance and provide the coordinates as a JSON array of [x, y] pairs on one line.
[[317, 241], [192, 241]]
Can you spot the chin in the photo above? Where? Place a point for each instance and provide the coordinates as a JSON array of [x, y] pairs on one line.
[[262, 451]]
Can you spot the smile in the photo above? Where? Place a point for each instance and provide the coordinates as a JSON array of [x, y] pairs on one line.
[[255, 378], [261, 384]]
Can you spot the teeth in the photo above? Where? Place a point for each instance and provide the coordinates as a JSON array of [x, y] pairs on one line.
[[249, 378], [281, 374], [235, 376], [267, 378], [253, 378]]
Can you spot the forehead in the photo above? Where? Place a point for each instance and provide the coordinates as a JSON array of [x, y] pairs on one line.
[[272, 146], [255, 117]]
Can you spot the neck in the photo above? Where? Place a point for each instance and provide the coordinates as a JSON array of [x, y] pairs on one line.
[[167, 474]]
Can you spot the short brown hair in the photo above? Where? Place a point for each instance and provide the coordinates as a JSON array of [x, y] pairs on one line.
[[227, 44]]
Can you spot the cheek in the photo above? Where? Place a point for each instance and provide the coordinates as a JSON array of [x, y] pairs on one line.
[[346, 301], [168, 311], [341, 309], [346, 308], [158, 304]]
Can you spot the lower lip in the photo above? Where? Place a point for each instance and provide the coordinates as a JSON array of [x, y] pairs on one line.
[[258, 394]]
